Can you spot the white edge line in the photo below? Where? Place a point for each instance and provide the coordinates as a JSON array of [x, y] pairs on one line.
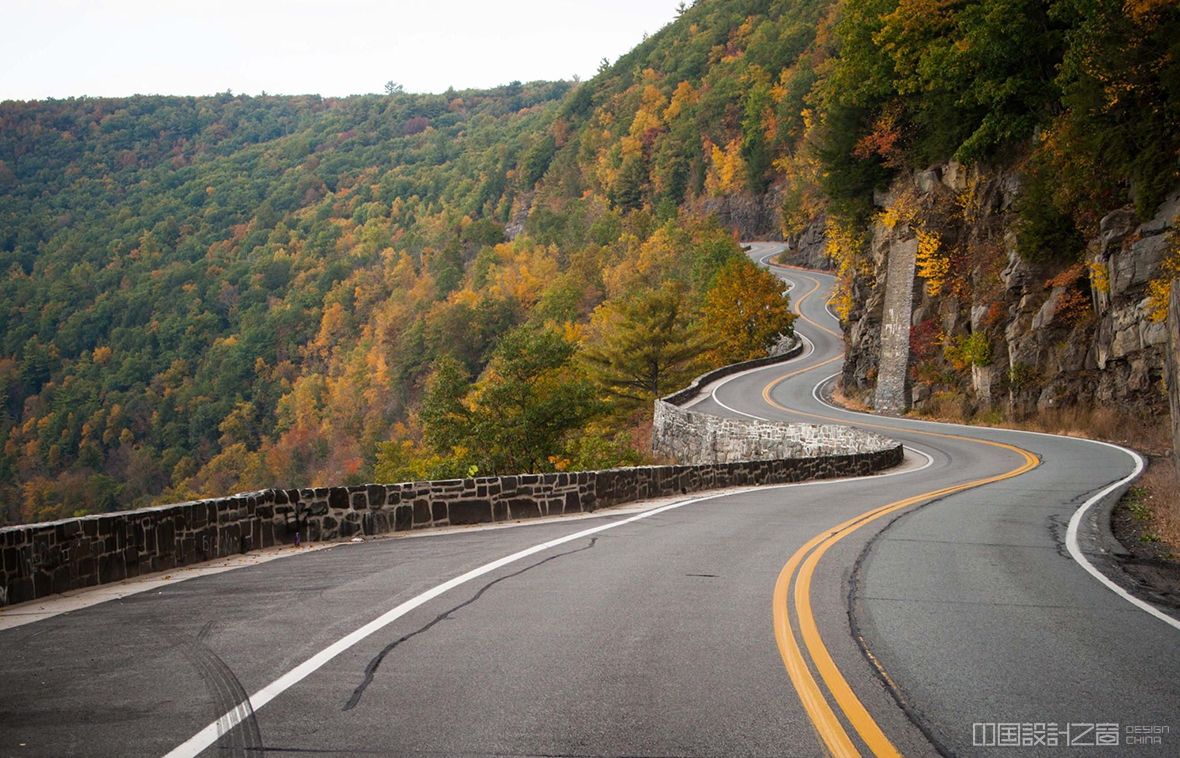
[[721, 383], [726, 380], [211, 733], [1071, 533], [810, 272], [713, 395], [929, 460]]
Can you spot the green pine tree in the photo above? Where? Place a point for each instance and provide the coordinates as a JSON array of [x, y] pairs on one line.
[[652, 349]]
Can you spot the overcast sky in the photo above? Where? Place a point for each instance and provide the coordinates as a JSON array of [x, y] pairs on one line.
[[60, 48]]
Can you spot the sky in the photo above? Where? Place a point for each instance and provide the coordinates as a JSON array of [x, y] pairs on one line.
[[64, 48]]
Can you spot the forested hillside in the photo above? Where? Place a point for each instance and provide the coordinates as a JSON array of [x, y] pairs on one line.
[[169, 262], [206, 295]]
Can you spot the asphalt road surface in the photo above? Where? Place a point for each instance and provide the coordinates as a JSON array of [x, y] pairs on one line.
[[927, 610]]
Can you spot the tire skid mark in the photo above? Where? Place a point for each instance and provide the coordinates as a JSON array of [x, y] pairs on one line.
[[227, 694]]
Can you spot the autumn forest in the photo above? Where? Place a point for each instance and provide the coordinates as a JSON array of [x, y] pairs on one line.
[[205, 295]]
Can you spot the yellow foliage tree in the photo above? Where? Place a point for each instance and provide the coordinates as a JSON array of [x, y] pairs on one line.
[[727, 169], [648, 116], [683, 97], [1159, 290], [844, 246], [521, 271], [745, 312], [902, 210], [933, 264], [649, 265]]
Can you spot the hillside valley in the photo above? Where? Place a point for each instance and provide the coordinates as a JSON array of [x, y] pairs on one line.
[[206, 295]]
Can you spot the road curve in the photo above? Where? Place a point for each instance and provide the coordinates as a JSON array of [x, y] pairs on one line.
[[823, 618], [976, 607]]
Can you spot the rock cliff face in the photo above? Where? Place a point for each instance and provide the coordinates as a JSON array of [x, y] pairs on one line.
[[1174, 369], [809, 248], [519, 215], [987, 328], [752, 217]]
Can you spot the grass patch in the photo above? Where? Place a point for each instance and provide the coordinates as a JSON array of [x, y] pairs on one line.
[[1147, 518], [1151, 435], [1160, 503]]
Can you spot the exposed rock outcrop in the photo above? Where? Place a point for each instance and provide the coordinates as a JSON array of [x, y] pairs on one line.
[[809, 248], [752, 217], [1174, 368], [521, 207], [989, 328]]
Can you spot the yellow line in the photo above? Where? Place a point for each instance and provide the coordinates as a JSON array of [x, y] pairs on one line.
[[804, 296], [830, 730], [827, 725], [834, 737], [842, 693], [796, 372], [799, 302]]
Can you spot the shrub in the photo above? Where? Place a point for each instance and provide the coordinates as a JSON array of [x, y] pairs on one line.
[[964, 351]]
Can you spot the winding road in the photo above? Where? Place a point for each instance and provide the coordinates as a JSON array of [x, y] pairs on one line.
[[944, 606]]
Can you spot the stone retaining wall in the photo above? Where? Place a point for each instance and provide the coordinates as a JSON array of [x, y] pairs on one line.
[[891, 395], [690, 437], [43, 559], [1174, 369]]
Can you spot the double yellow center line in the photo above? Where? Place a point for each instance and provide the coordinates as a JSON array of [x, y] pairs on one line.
[[796, 606]]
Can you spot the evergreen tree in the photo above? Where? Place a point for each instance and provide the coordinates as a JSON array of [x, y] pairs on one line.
[[445, 418], [651, 349], [628, 192]]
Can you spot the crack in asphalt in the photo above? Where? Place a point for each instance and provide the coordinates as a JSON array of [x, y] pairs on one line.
[[852, 602], [1058, 524], [975, 603], [375, 663], [923, 541]]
